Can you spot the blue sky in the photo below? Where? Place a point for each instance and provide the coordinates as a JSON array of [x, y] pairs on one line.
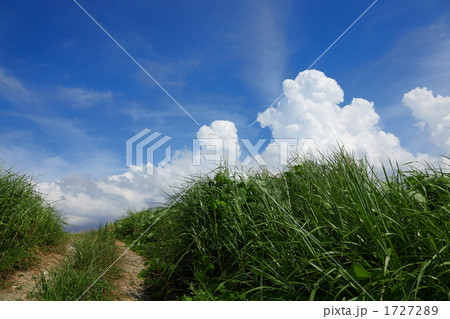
[[70, 98]]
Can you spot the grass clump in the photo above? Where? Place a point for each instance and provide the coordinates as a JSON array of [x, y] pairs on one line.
[[92, 253], [27, 222], [324, 229]]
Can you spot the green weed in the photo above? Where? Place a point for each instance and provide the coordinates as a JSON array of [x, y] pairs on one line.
[[27, 222], [92, 254], [324, 229]]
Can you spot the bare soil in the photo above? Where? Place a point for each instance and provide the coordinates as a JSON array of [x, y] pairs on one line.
[[17, 285], [129, 286]]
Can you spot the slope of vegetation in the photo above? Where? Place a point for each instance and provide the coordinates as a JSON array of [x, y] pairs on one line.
[[27, 223], [80, 277], [324, 229]]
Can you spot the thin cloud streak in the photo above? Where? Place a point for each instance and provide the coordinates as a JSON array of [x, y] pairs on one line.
[[259, 40], [13, 90]]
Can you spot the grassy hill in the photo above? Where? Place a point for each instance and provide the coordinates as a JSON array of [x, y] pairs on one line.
[[324, 229], [27, 222]]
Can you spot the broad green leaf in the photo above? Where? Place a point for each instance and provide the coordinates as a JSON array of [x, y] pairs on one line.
[[360, 271]]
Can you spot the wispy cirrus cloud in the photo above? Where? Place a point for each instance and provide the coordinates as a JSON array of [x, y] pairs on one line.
[[418, 57], [51, 142], [83, 98], [56, 147], [169, 73], [18, 94], [430, 63], [260, 40], [435, 65], [13, 90]]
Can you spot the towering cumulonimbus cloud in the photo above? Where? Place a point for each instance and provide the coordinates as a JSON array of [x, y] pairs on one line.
[[311, 113]]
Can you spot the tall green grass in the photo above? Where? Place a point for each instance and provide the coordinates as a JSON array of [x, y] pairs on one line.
[[92, 253], [325, 229], [27, 222]]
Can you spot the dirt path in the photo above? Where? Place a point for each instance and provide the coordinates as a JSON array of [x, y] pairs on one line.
[[129, 286], [17, 285]]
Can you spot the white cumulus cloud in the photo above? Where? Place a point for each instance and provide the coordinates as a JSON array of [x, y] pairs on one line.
[[311, 113], [433, 114], [86, 201], [220, 140]]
